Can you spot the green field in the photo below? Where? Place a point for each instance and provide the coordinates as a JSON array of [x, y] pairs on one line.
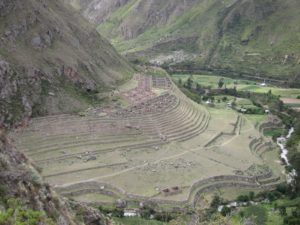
[[262, 214], [274, 132], [241, 85], [137, 221]]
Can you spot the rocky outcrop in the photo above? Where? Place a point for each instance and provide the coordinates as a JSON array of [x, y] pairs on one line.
[[47, 48], [97, 11], [20, 180]]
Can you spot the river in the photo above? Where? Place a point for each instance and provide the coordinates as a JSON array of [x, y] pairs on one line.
[[281, 142]]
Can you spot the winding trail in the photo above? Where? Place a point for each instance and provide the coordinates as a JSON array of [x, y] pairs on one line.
[[194, 150]]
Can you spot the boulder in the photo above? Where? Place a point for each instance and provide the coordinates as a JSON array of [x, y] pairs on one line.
[[36, 41]]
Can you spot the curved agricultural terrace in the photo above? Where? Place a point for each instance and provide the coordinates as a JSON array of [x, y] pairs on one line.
[[162, 147]]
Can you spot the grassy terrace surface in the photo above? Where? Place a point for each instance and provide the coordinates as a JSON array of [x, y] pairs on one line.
[[137, 221], [164, 141]]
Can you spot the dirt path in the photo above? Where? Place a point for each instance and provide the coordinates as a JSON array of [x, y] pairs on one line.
[[195, 150], [126, 170]]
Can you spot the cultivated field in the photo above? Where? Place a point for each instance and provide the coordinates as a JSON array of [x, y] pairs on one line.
[[161, 147], [242, 85]]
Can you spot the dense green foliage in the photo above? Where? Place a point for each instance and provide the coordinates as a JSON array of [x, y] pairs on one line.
[[294, 154], [17, 213], [257, 213], [137, 221]]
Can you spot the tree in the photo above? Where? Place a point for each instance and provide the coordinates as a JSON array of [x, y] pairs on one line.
[[242, 214], [270, 92], [198, 87], [189, 83], [243, 198], [180, 82], [205, 98], [282, 188], [225, 211], [216, 201], [224, 99], [282, 211], [221, 83], [234, 91]]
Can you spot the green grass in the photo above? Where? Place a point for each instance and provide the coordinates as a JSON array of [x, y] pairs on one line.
[[289, 203], [261, 214], [153, 71], [94, 197], [293, 105], [257, 213], [241, 85], [137, 221], [274, 132], [256, 119], [18, 213], [242, 103], [265, 213]]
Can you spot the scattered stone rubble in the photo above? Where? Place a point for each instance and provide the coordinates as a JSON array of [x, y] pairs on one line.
[[156, 105]]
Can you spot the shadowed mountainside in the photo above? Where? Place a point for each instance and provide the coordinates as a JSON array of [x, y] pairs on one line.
[[51, 60]]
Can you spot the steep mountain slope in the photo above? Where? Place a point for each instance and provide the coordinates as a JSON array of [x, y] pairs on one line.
[[51, 60], [245, 36]]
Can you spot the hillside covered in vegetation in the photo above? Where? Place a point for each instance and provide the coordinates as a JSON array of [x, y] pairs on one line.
[[251, 37], [49, 55]]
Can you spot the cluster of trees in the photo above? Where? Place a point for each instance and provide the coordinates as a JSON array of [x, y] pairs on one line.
[[18, 214], [293, 218], [147, 212], [191, 85], [293, 145]]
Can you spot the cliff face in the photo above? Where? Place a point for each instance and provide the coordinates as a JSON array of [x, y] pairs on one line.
[[25, 198], [51, 60], [98, 11], [246, 36]]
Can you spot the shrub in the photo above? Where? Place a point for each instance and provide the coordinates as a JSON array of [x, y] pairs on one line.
[[225, 211], [258, 213], [242, 214], [216, 201], [163, 216], [243, 198], [282, 210], [2, 192], [282, 188], [22, 216], [251, 195], [118, 213]]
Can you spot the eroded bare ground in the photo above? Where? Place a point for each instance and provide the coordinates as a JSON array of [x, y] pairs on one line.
[[163, 147]]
